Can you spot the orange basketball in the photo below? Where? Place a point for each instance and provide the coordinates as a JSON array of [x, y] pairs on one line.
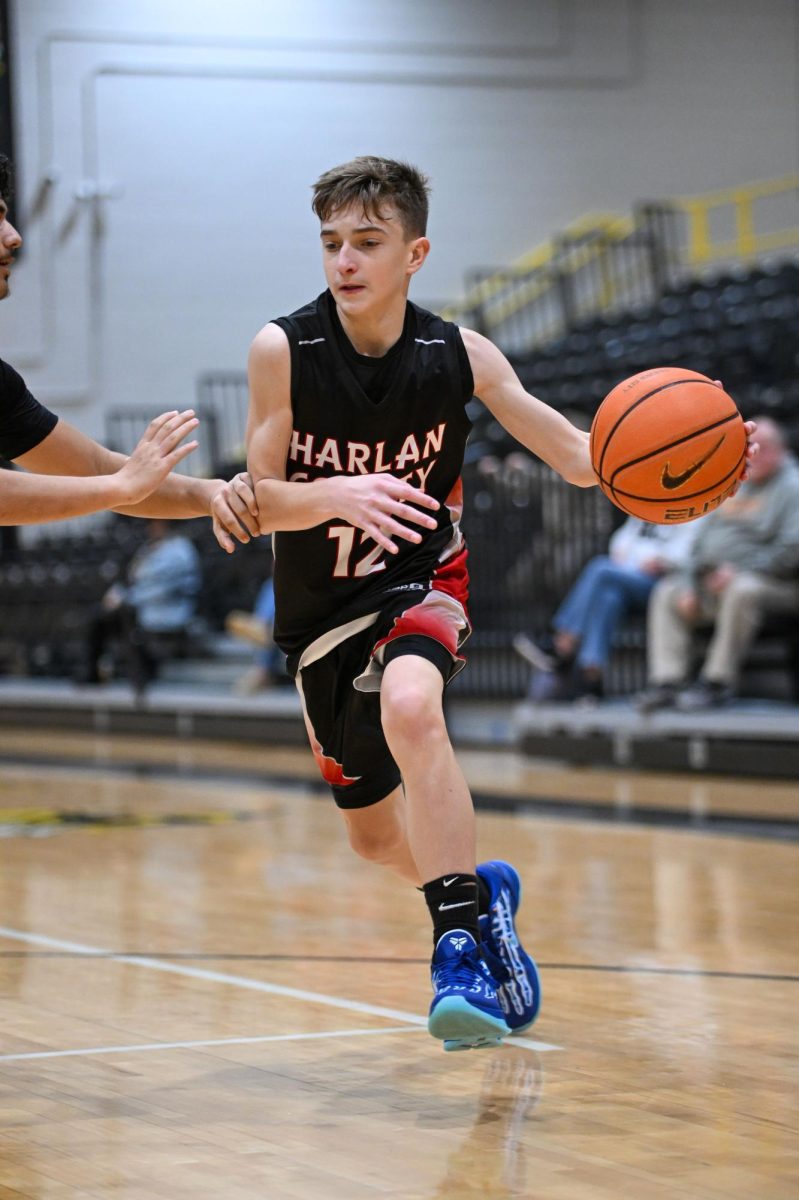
[[668, 445]]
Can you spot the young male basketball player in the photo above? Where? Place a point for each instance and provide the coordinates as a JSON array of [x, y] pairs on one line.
[[84, 476], [356, 441]]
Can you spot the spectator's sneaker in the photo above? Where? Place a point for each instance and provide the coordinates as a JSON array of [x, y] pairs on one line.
[[520, 993], [255, 679], [465, 1011], [662, 695], [706, 693], [248, 627], [532, 653], [589, 689]]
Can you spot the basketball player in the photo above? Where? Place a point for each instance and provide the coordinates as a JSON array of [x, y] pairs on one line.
[[356, 440], [84, 476]]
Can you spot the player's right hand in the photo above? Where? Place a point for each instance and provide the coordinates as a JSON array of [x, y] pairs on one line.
[[160, 450], [234, 511], [380, 505]]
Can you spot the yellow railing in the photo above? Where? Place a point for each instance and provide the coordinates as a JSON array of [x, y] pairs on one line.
[[742, 201], [606, 228], [499, 299]]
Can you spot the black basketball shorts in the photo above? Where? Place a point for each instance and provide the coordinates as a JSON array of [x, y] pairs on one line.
[[338, 677]]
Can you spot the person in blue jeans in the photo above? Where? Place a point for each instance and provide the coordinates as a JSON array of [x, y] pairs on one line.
[[609, 586]]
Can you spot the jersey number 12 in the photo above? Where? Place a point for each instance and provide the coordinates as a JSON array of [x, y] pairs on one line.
[[345, 568]]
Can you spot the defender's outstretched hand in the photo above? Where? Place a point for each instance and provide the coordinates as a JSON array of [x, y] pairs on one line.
[[379, 504], [234, 512], [159, 452]]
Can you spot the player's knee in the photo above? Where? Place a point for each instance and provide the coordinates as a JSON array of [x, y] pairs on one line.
[[378, 845], [411, 714]]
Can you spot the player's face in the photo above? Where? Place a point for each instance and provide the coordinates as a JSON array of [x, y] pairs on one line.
[[368, 259], [10, 241]]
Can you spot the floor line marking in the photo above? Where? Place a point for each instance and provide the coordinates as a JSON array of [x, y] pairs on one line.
[[240, 1041], [255, 985]]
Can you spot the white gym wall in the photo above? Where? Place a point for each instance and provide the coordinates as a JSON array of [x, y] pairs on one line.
[[180, 138]]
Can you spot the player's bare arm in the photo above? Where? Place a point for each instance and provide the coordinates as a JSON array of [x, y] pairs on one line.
[[377, 504], [542, 429], [68, 452], [30, 499]]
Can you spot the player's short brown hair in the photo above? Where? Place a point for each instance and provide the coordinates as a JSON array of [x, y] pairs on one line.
[[5, 179], [375, 182]]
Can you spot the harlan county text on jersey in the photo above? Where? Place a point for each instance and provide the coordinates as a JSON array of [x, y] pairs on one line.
[[413, 461]]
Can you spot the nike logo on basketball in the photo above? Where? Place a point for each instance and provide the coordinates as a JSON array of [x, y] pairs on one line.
[[670, 481], [460, 904]]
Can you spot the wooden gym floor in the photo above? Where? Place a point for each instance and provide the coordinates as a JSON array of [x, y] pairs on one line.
[[204, 994]]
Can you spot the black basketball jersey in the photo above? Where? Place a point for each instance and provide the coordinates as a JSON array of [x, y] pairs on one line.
[[24, 422], [329, 575]]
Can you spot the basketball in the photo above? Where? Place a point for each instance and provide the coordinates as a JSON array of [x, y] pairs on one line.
[[668, 445]]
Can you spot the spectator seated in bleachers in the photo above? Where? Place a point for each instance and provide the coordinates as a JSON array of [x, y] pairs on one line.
[[575, 658], [159, 597], [744, 563]]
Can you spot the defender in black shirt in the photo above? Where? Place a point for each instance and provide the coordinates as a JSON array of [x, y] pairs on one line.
[[24, 422], [357, 474]]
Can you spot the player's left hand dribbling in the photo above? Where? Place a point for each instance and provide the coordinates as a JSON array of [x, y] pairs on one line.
[[751, 446], [234, 512]]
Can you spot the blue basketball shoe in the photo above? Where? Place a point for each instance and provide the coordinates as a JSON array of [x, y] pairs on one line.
[[465, 1011], [520, 994]]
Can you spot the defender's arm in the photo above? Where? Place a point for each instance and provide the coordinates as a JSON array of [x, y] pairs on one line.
[[67, 451], [31, 499]]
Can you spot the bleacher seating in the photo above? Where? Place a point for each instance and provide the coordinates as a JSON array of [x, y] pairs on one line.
[[740, 325], [49, 588]]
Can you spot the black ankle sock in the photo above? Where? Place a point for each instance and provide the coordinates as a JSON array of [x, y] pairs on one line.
[[453, 904], [483, 896]]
